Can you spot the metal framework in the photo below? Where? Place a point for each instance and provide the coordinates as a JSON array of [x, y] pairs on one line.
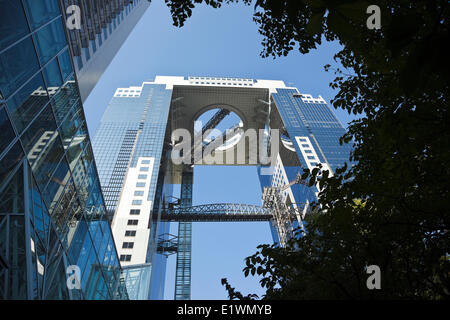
[[223, 138], [167, 244], [274, 209], [215, 120], [211, 124], [183, 268], [283, 216], [218, 212]]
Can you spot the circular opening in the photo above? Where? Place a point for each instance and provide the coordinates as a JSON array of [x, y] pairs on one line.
[[287, 142], [222, 124]]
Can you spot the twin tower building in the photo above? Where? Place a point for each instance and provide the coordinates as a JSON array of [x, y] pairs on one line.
[[89, 219]]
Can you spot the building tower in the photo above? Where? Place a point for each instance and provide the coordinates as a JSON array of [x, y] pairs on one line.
[[52, 213], [150, 140], [105, 25]]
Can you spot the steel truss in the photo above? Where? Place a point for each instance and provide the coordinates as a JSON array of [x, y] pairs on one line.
[[220, 212], [183, 268]]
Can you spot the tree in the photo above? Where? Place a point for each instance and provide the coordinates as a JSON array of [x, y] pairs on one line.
[[391, 208]]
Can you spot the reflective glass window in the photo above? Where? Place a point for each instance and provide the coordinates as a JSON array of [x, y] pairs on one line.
[[18, 63], [41, 11], [72, 223], [68, 128], [27, 102], [9, 161], [47, 161], [13, 24], [91, 271], [64, 99], [50, 40], [77, 241], [63, 210], [12, 195], [84, 254], [56, 185], [76, 146], [17, 259], [64, 62], [6, 130], [52, 76], [38, 133]]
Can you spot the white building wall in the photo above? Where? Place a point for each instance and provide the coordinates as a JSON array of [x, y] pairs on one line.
[[170, 81], [125, 205]]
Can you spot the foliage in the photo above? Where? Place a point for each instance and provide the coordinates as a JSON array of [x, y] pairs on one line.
[[397, 78]]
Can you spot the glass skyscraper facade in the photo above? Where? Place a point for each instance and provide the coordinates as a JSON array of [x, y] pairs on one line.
[[52, 212], [310, 135], [129, 147], [104, 27]]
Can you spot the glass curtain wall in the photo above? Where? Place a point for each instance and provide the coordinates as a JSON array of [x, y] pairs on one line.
[[52, 212]]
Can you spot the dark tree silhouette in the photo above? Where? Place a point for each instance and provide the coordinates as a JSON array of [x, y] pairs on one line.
[[391, 208]]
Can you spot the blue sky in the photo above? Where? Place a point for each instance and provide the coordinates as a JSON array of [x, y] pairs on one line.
[[214, 42]]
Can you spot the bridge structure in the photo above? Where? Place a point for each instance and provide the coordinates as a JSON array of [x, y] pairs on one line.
[[169, 244]]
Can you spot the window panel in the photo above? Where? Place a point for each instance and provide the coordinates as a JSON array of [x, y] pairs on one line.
[[65, 99], [41, 11], [52, 76], [56, 185], [130, 233], [9, 161], [6, 131], [77, 241], [13, 24], [26, 103], [39, 132], [50, 40], [47, 161], [18, 63], [135, 211], [12, 196], [64, 62]]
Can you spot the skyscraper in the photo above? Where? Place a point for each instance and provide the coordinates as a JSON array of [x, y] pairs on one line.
[[53, 220], [146, 166], [105, 25]]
